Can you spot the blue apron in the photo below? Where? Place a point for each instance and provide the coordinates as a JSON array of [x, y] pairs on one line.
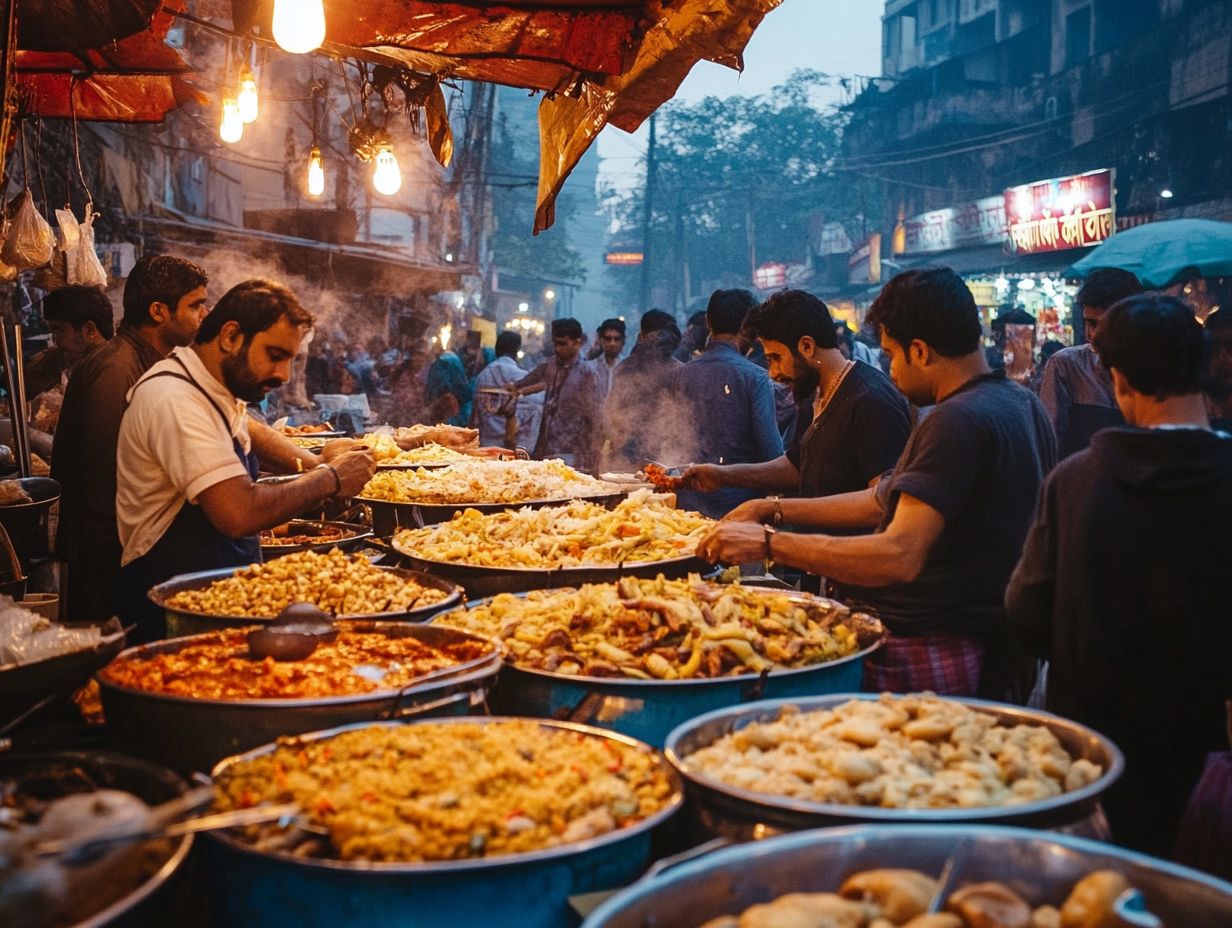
[[191, 543]]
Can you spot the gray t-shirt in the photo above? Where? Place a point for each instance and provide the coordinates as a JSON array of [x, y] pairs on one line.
[[979, 458]]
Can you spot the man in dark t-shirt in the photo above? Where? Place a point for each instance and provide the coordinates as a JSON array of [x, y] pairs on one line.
[[951, 519], [852, 423]]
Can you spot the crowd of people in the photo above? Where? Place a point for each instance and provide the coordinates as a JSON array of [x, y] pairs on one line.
[[994, 532]]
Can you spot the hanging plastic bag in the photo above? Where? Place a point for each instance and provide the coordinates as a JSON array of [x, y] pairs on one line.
[[87, 269], [30, 242]]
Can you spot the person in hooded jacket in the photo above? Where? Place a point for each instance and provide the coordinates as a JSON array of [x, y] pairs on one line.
[[1122, 584]]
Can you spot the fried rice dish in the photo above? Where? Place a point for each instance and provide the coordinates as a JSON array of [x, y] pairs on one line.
[[435, 791], [484, 481]]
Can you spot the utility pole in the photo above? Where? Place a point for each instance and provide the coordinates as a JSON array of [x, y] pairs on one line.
[[646, 216], [751, 232]]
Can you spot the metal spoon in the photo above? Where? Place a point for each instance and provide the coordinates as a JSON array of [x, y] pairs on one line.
[[84, 850]]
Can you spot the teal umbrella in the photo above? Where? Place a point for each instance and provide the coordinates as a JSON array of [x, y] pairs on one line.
[[1163, 253]]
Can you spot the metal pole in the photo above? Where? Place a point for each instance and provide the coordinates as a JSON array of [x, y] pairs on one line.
[[8, 79], [646, 216], [19, 371], [16, 414]]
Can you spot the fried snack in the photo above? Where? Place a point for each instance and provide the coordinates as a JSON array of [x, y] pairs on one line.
[[897, 752], [451, 436], [658, 475], [388, 454], [639, 530], [448, 791], [281, 536], [333, 582], [218, 666], [12, 493], [662, 629], [307, 429], [979, 905], [484, 481]]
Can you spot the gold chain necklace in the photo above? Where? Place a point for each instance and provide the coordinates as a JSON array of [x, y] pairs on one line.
[[824, 402]]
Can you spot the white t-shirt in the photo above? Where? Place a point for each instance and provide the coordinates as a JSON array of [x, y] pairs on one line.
[[173, 445]]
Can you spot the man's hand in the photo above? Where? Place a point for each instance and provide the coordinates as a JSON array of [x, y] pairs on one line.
[[733, 543], [704, 478], [355, 469], [756, 511], [337, 448]]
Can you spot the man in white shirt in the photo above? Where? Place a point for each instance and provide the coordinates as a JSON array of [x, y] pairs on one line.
[[187, 458], [611, 345], [495, 413]]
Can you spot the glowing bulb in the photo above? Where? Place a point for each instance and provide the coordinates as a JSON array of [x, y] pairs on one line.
[[386, 177], [1166, 193], [316, 173], [299, 25], [247, 97], [523, 307], [446, 334], [549, 294], [231, 129]]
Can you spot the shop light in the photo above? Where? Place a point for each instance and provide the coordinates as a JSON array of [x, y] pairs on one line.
[[549, 294], [449, 256], [316, 173], [521, 355], [1027, 283], [1166, 193], [231, 129], [247, 98], [446, 335], [523, 307], [299, 25], [386, 175]]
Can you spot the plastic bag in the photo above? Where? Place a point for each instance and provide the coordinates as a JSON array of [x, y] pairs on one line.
[[81, 264], [30, 242]]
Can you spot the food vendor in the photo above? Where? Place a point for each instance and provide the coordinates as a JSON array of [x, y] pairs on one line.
[[187, 461], [951, 519]]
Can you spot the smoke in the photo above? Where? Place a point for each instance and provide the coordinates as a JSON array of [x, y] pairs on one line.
[[647, 417]]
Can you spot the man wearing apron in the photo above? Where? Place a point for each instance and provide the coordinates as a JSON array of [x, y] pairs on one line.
[[187, 460]]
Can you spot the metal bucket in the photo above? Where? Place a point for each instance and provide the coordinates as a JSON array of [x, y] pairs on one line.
[[648, 710], [1042, 867], [181, 623], [531, 890], [53, 774], [188, 735], [742, 814], [388, 517]]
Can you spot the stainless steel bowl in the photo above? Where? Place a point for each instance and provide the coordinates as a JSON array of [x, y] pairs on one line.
[[278, 890], [358, 534], [650, 709], [1041, 867], [743, 814], [191, 735], [181, 622]]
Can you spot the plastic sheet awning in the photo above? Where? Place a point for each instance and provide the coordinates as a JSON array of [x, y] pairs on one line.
[[598, 61], [101, 60]]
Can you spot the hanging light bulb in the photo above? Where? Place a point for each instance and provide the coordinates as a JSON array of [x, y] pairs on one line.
[[231, 129], [386, 176], [299, 25], [247, 97], [316, 173]]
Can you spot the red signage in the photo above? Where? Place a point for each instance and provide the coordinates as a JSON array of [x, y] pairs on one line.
[[624, 257], [1061, 213], [770, 276]]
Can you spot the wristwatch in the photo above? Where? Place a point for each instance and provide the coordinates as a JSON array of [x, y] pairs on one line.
[[768, 540]]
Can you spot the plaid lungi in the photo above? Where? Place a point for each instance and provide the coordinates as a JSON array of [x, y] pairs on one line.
[[948, 665]]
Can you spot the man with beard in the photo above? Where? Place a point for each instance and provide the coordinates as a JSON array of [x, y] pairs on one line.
[[164, 304], [852, 424], [187, 461], [948, 524]]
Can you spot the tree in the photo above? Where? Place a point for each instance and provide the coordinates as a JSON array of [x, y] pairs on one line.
[[738, 182]]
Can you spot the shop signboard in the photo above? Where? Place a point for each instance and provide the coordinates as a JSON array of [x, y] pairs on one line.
[[1061, 213], [624, 258], [980, 222], [833, 239], [770, 276]]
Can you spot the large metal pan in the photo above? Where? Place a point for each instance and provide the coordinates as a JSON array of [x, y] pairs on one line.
[[388, 517], [26, 523], [358, 534], [25, 685], [650, 709], [180, 622], [1042, 867], [188, 735], [743, 814], [49, 775], [277, 890]]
